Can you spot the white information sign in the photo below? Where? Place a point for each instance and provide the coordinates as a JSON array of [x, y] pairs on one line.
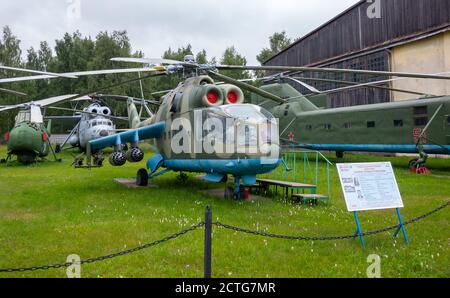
[[369, 186]]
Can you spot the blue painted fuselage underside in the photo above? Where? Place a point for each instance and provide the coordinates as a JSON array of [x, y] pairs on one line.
[[390, 148], [236, 167]]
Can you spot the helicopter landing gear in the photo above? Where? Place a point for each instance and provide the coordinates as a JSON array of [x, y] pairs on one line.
[[238, 192], [182, 178], [78, 161], [417, 165], [142, 178], [98, 159]]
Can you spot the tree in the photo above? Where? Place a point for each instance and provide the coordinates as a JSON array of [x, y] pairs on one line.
[[232, 57], [278, 42], [202, 57], [10, 52]]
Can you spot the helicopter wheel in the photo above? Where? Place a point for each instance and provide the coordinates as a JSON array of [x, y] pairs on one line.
[[79, 162], [3, 160], [339, 154], [142, 178], [413, 164], [58, 148]]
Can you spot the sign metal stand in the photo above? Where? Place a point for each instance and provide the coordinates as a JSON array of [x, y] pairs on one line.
[[371, 186], [401, 227]]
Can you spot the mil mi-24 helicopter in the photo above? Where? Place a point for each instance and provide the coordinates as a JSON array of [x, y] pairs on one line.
[[199, 127]]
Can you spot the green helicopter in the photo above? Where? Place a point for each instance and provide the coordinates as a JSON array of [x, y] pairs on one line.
[[29, 139]]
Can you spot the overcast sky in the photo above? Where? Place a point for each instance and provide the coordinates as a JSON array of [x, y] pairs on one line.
[[154, 25]]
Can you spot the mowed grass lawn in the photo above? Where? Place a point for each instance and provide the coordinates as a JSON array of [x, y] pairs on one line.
[[51, 210]]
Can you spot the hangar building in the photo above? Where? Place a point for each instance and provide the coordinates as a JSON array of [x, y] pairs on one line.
[[384, 35]]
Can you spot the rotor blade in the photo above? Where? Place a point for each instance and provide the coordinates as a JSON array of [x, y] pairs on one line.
[[161, 92], [12, 92], [67, 76], [41, 103], [335, 70], [247, 87], [65, 119], [83, 73], [372, 83], [75, 96], [151, 61], [125, 98], [357, 84], [89, 113]]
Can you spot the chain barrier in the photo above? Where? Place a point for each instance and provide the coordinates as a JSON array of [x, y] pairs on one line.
[[229, 227], [303, 238], [110, 256]]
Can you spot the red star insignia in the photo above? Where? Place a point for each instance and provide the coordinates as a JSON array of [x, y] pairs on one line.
[[291, 136]]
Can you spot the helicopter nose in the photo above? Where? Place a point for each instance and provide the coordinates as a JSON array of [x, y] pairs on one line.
[[103, 133]]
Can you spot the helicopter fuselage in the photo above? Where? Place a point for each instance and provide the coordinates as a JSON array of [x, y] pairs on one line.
[[28, 140]]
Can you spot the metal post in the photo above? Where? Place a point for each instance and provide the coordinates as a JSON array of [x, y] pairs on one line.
[[208, 241], [401, 227], [358, 230]]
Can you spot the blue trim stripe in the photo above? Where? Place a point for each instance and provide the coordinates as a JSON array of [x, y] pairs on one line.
[[237, 167], [391, 148]]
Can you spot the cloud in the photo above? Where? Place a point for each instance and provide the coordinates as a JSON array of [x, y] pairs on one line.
[[155, 25]]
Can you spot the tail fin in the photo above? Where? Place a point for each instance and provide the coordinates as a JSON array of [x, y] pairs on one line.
[[133, 115], [287, 92], [49, 127]]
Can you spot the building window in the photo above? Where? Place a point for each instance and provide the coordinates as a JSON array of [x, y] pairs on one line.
[[308, 127], [448, 120], [286, 113], [371, 124], [348, 125], [327, 126], [398, 123]]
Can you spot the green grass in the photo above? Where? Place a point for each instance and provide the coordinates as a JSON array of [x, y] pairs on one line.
[[50, 210]]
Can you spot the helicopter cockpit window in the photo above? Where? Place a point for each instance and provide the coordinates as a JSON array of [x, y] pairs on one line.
[[23, 116], [246, 112], [176, 102]]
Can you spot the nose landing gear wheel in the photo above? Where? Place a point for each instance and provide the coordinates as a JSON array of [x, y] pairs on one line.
[[142, 178]]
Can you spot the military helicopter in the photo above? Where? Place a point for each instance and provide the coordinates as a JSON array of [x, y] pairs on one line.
[[199, 127], [29, 139], [414, 126], [93, 122], [198, 95]]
